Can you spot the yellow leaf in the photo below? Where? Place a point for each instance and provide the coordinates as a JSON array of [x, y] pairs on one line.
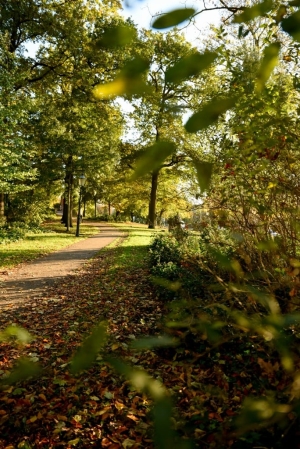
[[119, 405], [134, 418], [109, 90], [43, 397], [74, 442], [33, 419], [128, 443]]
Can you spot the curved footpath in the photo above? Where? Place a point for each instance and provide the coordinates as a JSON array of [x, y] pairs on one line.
[[28, 282]]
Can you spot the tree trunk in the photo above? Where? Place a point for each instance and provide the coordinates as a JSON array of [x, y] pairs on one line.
[[2, 207], [109, 208], [68, 207], [152, 202], [159, 221], [95, 202], [64, 218], [71, 201]]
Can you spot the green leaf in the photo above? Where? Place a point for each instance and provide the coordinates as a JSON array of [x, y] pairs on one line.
[[74, 442], [22, 335], [23, 370], [259, 412], [267, 245], [254, 11], [173, 18], [116, 36], [190, 66], [129, 81], [209, 114], [204, 172], [268, 63], [174, 286], [87, 353], [163, 432], [139, 379], [153, 157], [291, 25], [294, 3], [281, 12], [154, 342]]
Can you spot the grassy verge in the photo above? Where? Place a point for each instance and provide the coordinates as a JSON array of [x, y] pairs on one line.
[[134, 248], [34, 245]]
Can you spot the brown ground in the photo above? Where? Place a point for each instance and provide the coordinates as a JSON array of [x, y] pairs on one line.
[[28, 282]]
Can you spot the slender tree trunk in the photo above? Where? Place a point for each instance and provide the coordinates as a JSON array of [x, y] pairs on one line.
[[152, 202], [160, 217], [64, 219], [2, 208], [69, 206], [71, 201], [109, 208], [68, 195]]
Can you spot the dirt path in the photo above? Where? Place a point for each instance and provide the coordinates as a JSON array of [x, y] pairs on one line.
[[29, 281]]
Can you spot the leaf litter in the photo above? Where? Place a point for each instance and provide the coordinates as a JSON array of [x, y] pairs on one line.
[[98, 408]]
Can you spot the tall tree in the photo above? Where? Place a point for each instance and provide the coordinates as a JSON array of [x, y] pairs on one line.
[[158, 114]]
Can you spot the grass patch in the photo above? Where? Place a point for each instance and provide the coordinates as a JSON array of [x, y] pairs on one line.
[[133, 251], [35, 245]]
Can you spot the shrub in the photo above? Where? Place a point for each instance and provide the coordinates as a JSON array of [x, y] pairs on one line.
[[12, 233], [164, 249]]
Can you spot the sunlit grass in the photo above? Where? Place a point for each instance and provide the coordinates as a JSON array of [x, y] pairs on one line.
[[133, 251], [40, 244]]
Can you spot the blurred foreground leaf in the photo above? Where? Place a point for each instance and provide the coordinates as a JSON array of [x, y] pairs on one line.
[[170, 285], [116, 36], [254, 11], [267, 245], [162, 410], [153, 157], [139, 379], [291, 25], [173, 18], [190, 66], [209, 114], [87, 353], [20, 334], [24, 369], [128, 82], [259, 412], [204, 172], [154, 342], [268, 63], [163, 432]]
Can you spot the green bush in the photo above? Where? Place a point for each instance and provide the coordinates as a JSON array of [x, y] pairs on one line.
[[104, 217], [175, 256], [12, 233], [164, 248]]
